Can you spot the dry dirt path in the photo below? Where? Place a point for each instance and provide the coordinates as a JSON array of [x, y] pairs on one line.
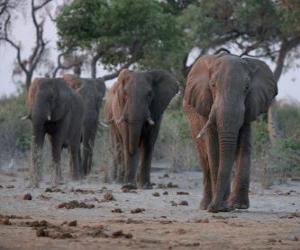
[[166, 217]]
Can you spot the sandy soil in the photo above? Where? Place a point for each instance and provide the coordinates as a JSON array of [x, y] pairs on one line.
[[166, 217]]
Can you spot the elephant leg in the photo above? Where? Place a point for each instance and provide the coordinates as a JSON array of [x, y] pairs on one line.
[[76, 173], [197, 122], [88, 145], [56, 147], [143, 174], [239, 197], [37, 151], [149, 137], [114, 151], [131, 162], [120, 164], [212, 148], [87, 155], [207, 192]]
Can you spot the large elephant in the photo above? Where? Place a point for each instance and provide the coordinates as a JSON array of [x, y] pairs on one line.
[[92, 92], [134, 109], [57, 110], [224, 93]]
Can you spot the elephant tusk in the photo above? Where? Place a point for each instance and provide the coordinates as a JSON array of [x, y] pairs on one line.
[[103, 124], [25, 117], [203, 131], [207, 124], [150, 121]]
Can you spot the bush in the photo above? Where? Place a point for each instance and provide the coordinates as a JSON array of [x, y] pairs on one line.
[[15, 135], [282, 160]]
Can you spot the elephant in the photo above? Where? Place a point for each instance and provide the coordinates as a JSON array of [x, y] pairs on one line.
[[223, 94], [56, 110], [134, 110], [92, 92]]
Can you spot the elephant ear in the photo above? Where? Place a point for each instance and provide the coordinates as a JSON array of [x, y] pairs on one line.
[[262, 89], [165, 87], [197, 92]]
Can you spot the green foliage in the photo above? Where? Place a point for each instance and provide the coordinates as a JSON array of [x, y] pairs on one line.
[[249, 25], [289, 117], [282, 160], [126, 31], [260, 139], [15, 135]]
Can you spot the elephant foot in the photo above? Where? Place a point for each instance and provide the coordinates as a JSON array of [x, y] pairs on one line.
[[219, 207], [146, 185], [129, 186], [205, 203], [240, 202]]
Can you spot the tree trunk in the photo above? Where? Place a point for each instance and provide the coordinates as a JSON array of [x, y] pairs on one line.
[[274, 130], [94, 65]]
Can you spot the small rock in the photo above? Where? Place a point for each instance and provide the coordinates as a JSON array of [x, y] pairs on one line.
[[296, 238], [171, 185], [202, 221], [173, 203], [156, 194], [165, 193], [108, 197], [271, 240], [137, 210], [117, 210], [181, 231], [183, 193], [75, 204], [165, 222], [5, 221], [72, 223], [41, 232], [120, 233], [183, 203], [27, 197], [10, 186], [129, 187]]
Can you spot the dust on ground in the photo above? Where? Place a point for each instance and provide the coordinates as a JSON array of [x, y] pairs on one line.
[[94, 215]]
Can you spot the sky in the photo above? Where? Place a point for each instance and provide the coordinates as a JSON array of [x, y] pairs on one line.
[[289, 83]]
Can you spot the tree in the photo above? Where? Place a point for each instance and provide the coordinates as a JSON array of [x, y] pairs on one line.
[[122, 33], [261, 28], [29, 65]]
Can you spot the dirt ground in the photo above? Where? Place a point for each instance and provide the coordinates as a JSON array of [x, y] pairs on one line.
[[94, 215]]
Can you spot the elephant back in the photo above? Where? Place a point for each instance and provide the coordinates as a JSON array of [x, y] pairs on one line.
[[72, 81]]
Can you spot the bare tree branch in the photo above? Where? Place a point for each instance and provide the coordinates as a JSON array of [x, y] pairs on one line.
[[115, 74], [61, 66], [27, 66], [37, 7]]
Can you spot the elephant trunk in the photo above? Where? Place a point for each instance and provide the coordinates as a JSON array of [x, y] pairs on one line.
[[228, 122], [227, 151], [134, 133]]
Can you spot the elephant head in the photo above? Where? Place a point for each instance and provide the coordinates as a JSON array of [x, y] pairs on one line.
[[143, 97], [229, 91]]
